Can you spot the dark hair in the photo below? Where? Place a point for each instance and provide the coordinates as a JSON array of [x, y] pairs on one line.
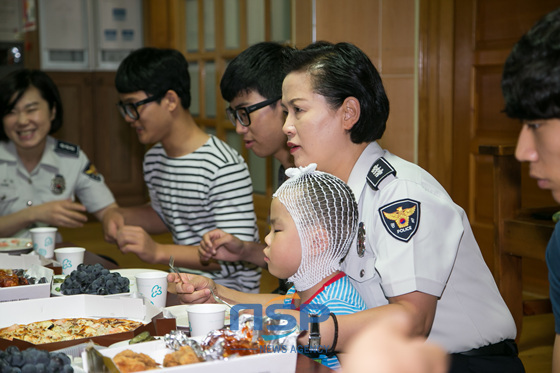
[[19, 81], [342, 70], [258, 68], [531, 77], [155, 71]]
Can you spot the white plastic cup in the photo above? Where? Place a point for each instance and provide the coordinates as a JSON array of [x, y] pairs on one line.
[[153, 286], [69, 258], [43, 240], [203, 318]]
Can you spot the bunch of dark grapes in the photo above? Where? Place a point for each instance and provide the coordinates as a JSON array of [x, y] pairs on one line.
[[94, 279], [32, 360]]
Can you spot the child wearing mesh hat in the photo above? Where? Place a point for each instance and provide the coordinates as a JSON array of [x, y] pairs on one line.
[[314, 219]]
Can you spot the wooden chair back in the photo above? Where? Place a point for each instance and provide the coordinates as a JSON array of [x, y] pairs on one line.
[[518, 233]]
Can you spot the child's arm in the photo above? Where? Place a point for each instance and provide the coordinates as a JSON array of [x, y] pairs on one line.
[[220, 245], [196, 289], [133, 239]]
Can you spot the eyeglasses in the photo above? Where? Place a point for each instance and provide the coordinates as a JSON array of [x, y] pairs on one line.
[[130, 109], [242, 114]]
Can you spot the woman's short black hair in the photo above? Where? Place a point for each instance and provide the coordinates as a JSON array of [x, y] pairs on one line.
[[155, 71], [531, 76], [342, 70], [14, 85]]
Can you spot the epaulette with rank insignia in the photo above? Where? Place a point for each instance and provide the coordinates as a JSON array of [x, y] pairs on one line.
[[379, 171], [64, 147]]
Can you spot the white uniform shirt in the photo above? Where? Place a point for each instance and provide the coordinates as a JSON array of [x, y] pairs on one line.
[[434, 252], [63, 173]]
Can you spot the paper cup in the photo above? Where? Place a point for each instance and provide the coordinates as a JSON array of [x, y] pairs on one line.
[[43, 240], [153, 286], [69, 258], [203, 318]]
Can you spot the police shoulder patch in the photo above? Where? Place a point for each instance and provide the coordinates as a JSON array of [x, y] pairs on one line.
[[401, 218], [91, 171], [379, 170], [64, 147]]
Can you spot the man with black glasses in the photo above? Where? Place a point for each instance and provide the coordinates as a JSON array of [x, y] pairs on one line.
[[252, 84], [196, 181]]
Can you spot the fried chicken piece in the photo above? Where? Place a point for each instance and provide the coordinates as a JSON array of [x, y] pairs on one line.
[[129, 361], [183, 356]]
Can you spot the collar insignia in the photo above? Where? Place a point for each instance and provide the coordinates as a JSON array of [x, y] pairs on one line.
[[63, 147], [379, 170], [401, 218]]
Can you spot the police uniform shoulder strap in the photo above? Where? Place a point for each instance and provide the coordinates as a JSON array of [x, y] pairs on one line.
[[379, 171], [63, 147]]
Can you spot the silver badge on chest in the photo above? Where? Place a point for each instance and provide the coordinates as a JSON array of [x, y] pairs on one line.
[[361, 242], [58, 184]]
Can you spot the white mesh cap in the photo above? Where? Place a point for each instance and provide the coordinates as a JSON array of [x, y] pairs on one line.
[[326, 216]]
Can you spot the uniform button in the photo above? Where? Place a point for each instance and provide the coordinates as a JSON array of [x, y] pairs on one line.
[[29, 180], [29, 203], [362, 273]]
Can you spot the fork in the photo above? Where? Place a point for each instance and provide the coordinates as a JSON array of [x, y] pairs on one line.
[[219, 300], [171, 262]]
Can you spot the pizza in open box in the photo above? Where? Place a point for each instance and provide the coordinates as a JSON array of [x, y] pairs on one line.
[[57, 330]]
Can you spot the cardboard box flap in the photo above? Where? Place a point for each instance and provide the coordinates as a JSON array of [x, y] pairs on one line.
[[39, 271], [71, 306], [18, 261]]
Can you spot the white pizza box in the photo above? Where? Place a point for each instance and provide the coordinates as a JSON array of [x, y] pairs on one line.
[[273, 362], [33, 269], [83, 305], [70, 306]]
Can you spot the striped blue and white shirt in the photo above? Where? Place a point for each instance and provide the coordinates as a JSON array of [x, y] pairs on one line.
[[339, 296], [206, 189]]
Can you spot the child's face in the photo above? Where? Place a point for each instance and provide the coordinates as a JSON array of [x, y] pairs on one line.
[[283, 250]]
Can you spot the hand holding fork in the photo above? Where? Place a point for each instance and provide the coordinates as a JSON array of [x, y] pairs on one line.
[[216, 298]]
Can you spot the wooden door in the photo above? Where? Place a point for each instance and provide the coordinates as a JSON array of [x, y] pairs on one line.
[[118, 153], [485, 32], [77, 97]]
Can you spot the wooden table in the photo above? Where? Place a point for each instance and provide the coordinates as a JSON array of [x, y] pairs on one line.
[[303, 364]]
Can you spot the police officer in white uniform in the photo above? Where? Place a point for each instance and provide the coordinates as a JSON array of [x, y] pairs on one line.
[[415, 251], [413, 237], [414, 248], [40, 177], [64, 172]]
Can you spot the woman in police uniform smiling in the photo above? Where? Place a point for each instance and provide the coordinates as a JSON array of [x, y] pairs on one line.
[[39, 175]]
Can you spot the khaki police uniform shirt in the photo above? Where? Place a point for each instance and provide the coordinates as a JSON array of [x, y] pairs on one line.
[[64, 172], [413, 237]]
